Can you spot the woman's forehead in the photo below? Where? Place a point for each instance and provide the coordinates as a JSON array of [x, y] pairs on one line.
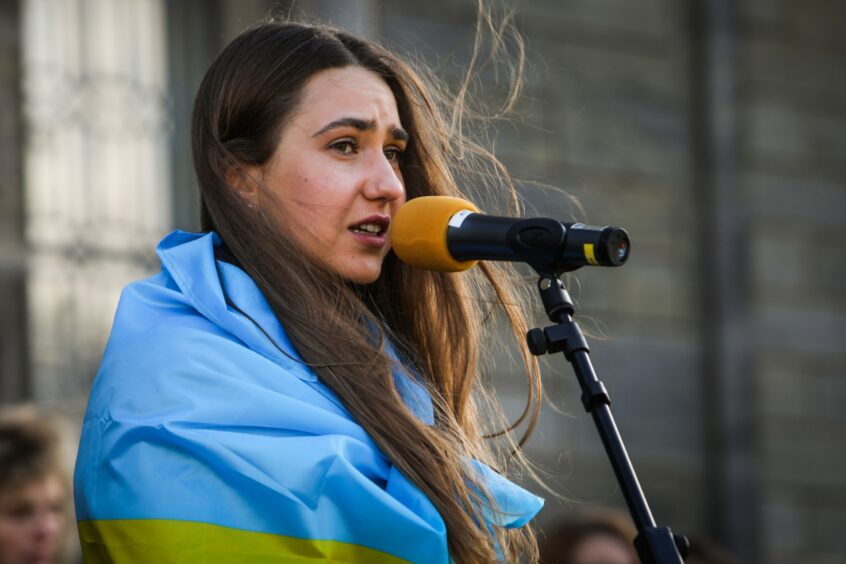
[[348, 92]]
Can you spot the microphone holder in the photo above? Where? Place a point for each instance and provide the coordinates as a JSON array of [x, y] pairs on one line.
[[654, 545]]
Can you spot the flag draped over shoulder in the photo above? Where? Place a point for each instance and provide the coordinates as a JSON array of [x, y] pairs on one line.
[[204, 442]]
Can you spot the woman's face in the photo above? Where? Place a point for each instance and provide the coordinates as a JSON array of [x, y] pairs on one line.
[[335, 175]]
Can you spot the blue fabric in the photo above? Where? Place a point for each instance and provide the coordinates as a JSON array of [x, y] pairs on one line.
[[196, 415]]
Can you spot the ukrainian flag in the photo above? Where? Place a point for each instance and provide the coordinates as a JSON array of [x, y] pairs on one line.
[[204, 442]]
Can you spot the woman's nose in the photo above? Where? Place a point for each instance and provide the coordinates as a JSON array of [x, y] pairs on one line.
[[384, 180]]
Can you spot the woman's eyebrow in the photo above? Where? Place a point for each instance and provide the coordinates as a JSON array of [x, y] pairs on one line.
[[362, 125], [357, 123], [400, 134]]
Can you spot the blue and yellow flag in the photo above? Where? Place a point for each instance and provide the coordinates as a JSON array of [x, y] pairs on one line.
[[204, 443]]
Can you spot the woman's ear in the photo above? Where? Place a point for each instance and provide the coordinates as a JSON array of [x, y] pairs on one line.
[[244, 181]]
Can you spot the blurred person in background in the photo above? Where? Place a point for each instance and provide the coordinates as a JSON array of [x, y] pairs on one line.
[[598, 536], [34, 492]]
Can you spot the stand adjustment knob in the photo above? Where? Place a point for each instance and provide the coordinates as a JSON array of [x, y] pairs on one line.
[[536, 340]]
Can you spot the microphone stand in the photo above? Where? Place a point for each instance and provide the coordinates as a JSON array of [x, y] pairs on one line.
[[654, 545]]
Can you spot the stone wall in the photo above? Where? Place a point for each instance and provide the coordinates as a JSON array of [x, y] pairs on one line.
[[792, 97]]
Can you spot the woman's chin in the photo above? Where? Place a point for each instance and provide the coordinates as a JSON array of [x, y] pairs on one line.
[[362, 274], [363, 279]]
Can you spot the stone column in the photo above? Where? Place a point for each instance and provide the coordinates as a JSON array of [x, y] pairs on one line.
[[97, 174]]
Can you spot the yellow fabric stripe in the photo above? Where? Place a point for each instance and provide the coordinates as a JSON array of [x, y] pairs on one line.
[[159, 541], [591, 258]]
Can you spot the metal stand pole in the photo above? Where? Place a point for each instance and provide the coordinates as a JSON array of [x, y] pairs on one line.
[[654, 545]]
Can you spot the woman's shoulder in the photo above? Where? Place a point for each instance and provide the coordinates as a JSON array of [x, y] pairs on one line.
[[151, 308], [194, 306], [175, 339]]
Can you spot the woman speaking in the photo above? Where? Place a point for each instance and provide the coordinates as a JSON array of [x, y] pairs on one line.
[[285, 389]]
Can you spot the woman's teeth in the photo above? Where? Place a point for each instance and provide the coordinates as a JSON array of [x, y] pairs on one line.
[[369, 228]]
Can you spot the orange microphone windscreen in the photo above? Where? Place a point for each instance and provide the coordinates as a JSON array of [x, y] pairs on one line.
[[419, 232]]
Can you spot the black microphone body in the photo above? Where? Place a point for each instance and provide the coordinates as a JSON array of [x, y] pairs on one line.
[[545, 244]]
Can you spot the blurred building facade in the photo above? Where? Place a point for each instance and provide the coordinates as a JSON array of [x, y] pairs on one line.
[[714, 131]]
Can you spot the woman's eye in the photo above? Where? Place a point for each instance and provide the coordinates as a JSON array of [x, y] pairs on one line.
[[393, 154], [345, 147]]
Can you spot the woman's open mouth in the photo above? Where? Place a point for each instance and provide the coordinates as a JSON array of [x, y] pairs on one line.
[[371, 231]]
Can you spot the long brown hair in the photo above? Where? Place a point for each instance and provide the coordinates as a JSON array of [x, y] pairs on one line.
[[434, 320]]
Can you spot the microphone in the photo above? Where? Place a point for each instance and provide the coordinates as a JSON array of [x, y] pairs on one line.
[[450, 235]]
